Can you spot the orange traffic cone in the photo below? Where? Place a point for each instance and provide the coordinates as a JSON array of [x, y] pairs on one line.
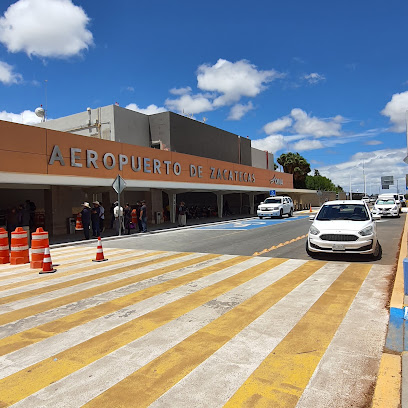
[[78, 223], [47, 263], [310, 210], [4, 247], [99, 252]]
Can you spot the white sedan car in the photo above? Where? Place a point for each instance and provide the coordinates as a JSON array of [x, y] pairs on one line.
[[386, 206], [344, 227]]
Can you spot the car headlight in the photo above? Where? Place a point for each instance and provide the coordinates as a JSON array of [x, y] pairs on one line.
[[313, 230], [275, 208], [395, 208], [367, 231]]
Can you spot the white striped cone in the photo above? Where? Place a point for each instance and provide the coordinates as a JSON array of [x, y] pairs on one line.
[[47, 263], [99, 252]]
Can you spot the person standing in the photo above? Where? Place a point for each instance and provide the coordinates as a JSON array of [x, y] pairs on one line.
[[101, 217], [86, 218], [182, 216], [127, 217], [139, 221], [118, 211], [112, 214], [96, 232], [143, 216]]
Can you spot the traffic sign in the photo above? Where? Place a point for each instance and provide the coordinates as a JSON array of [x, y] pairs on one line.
[[119, 184], [272, 193]]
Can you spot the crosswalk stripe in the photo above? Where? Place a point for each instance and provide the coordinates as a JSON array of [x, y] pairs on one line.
[[73, 294], [64, 269], [281, 378], [347, 358], [173, 365], [62, 325], [22, 384], [132, 356], [82, 279], [64, 310], [94, 269]]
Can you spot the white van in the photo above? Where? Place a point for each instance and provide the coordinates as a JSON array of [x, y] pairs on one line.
[[395, 196], [402, 199]]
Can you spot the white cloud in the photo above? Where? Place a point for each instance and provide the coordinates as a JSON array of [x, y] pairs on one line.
[[277, 125], [233, 80], [313, 78], [386, 162], [271, 143], [7, 76], [150, 110], [26, 117], [396, 110], [180, 91], [239, 110], [373, 142], [306, 144], [190, 104], [310, 125], [45, 28]]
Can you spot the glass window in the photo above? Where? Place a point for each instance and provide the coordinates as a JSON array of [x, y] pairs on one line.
[[351, 212]]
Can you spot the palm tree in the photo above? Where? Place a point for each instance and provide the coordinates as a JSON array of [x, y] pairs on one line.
[[297, 165]]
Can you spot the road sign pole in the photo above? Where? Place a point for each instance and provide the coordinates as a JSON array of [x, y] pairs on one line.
[[120, 217], [119, 185]]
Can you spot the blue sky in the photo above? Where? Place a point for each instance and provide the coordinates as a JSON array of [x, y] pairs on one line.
[[326, 79]]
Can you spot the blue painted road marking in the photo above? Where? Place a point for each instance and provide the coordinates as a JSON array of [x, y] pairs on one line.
[[248, 224]]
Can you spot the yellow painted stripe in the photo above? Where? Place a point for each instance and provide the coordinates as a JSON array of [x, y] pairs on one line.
[[75, 297], [46, 330], [62, 265], [273, 247], [388, 388], [281, 378], [26, 382], [88, 278], [168, 369]]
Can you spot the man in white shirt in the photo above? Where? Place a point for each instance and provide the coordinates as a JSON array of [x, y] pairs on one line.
[[116, 212]]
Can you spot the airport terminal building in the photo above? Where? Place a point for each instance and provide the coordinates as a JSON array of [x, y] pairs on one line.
[[164, 158]]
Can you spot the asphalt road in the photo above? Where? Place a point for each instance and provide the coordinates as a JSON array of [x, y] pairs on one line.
[[268, 238]]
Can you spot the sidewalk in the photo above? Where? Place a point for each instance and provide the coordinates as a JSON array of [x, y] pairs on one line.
[[152, 228]]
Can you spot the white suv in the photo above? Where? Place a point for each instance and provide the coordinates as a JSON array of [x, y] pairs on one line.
[[275, 207]]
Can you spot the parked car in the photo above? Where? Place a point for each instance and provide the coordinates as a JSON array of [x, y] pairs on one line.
[[275, 207], [402, 200], [344, 227], [386, 207]]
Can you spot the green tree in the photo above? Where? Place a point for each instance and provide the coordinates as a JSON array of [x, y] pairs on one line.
[[297, 165], [318, 182]]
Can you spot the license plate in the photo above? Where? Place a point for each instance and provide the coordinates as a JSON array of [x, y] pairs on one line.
[[338, 247]]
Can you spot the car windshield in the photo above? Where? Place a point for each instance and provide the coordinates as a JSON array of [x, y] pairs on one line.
[[273, 201], [351, 212], [389, 201]]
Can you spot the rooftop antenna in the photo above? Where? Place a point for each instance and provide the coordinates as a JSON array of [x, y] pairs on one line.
[[46, 103]]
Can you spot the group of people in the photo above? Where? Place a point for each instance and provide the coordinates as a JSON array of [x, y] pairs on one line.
[[93, 217], [131, 217], [21, 216]]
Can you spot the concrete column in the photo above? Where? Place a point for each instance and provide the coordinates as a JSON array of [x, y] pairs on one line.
[[172, 205], [220, 204], [156, 204], [251, 203]]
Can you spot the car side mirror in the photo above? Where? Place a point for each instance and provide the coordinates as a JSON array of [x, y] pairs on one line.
[[261, 202], [312, 217], [376, 217]]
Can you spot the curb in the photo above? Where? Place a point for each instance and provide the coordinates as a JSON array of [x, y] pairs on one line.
[[390, 390]]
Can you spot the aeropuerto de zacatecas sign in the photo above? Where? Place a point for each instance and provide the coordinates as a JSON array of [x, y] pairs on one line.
[[34, 150]]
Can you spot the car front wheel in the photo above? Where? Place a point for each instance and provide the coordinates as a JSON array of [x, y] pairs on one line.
[[308, 251], [260, 217], [377, 254]]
